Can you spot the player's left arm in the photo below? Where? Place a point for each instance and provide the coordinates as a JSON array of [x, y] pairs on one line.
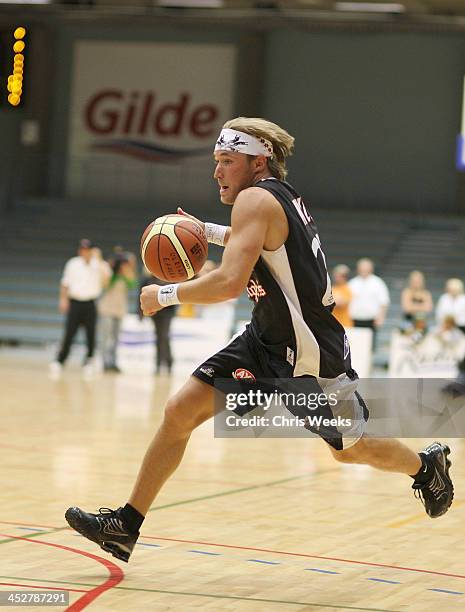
[[250, 220]]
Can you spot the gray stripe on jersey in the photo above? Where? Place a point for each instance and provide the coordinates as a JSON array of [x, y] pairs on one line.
[[308, 352]]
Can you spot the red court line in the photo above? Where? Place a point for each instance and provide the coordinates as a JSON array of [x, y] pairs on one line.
[[116, 573], [27, 524], [294, 554], [279, 552], [40, 586]]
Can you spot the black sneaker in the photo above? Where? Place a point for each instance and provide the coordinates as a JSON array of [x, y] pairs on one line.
[[436, 494], [105, 529]]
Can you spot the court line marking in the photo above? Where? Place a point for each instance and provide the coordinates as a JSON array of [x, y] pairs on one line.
[[309, 556], [280, 552], [445, 591], [115, 577], [322, 571], [41, 586], [242, 489], [214, 596], [305, 569], [35, 534], [416, 517], [204, 552]]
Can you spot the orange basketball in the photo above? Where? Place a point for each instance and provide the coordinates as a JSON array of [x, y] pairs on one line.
[[174, 248]]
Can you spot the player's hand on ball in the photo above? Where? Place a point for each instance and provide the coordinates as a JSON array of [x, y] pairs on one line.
[[149, 303], [182, 212]]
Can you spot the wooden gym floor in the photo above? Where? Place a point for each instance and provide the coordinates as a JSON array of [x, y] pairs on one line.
[[248, 525]]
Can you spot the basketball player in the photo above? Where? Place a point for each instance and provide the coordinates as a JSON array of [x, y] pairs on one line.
[[272, 249]]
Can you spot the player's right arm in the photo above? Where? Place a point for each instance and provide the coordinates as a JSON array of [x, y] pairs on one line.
[[251, 218], [202, 224]]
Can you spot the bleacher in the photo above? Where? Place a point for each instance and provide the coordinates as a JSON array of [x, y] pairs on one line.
[[40, 235]]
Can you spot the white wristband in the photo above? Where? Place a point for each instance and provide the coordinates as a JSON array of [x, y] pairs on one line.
[[168, 295], [215, 233]]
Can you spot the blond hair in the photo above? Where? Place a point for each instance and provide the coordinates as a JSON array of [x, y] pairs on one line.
[[283, 143]]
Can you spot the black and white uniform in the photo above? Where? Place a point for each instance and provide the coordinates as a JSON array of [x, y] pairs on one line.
[[292, 333]]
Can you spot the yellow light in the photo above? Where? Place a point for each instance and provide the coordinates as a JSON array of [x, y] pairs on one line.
[[19, 33], [16, 87], [18, 46], [9, 86], [19, 57], [17, 70], [14, 99]]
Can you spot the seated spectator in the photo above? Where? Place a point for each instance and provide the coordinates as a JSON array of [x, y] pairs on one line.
[[370, 297], [342, 295], [452, 303], [416, 301]]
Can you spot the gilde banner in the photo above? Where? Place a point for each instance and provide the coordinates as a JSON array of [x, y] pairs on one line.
[[144, 117]]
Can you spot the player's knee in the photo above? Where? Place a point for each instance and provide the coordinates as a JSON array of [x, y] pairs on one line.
[[182, 418], [353, 454]]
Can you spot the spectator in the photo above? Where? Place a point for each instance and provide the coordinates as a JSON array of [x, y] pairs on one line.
[[83, 280], [452, 303], [162, 323], [113, 305], [416, 301], [342, 295], [370, 297]]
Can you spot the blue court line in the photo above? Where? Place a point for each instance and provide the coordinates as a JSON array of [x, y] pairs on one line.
[[31, 529], [314, 569], [446, 591], [78, 535], [204, 552], [308, 569]]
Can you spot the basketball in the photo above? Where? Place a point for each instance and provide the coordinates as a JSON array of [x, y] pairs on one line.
[[174, 248]]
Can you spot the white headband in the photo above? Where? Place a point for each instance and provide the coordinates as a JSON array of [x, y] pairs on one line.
[[239, 142]]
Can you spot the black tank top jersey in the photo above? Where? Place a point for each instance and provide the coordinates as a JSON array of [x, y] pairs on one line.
[[291, 289]]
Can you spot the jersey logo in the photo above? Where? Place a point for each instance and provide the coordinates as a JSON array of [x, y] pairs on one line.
[[242, 373], [254, 290], [208, 371]]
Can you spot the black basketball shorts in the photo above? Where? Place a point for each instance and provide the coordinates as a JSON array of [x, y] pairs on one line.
[[243, 359]]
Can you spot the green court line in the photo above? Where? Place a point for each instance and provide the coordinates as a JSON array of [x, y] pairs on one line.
[[195, 499], [211, 596], [241, 490], [33, 535]]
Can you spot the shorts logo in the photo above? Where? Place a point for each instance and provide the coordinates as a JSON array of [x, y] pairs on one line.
[[242, 373], [254, 290], [290, 356], [208, 371], [346, 347]]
